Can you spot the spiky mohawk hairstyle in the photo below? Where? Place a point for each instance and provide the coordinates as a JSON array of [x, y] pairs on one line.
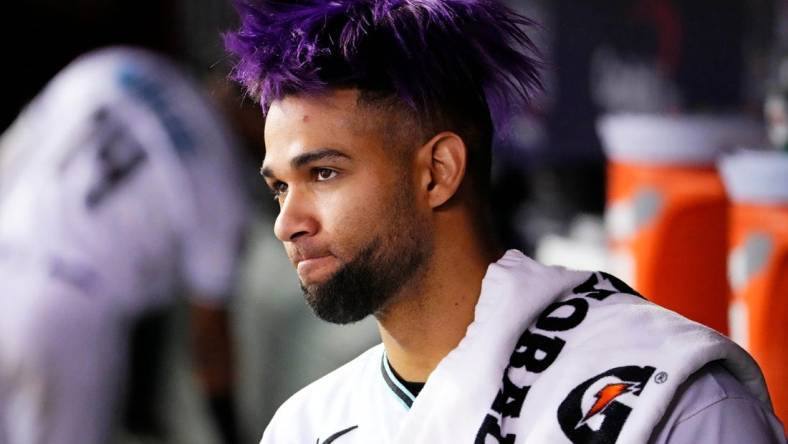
[[443, 65], [431, 54]]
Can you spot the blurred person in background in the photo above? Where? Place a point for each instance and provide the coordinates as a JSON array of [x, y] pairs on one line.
[[379, 120], [119, 187]]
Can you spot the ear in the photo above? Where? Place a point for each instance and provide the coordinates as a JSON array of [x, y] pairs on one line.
[[442, 163]]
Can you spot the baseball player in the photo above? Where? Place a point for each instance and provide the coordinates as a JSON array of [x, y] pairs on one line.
[[380, 116], [118, 188]]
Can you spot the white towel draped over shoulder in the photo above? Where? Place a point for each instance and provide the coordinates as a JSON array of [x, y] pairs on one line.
[[560, 356]]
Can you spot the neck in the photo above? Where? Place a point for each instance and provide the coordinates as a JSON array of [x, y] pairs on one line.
[[430, 316]]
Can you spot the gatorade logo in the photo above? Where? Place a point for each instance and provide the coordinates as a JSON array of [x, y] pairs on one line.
[[596, 410]]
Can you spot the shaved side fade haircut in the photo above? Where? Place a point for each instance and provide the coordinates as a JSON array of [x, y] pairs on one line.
[[449, 65]]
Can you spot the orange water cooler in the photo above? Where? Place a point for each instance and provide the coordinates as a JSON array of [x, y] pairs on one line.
[[758, 262], [666, 212]]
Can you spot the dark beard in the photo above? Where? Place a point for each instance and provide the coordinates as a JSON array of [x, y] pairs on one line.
[[366, 284]]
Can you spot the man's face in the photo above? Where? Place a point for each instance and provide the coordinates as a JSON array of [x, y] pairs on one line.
[[348, 216]]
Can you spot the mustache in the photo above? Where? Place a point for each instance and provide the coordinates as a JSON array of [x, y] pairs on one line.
[[300, 252]]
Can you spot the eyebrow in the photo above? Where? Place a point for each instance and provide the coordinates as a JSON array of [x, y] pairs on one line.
[[306, 158]]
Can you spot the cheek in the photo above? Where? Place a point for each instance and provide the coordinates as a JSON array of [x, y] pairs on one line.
[[357, 214]]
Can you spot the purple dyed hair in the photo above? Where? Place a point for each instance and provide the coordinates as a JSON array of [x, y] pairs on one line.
[[436, 56]]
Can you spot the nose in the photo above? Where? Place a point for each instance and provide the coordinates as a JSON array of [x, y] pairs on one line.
[[296, 218]]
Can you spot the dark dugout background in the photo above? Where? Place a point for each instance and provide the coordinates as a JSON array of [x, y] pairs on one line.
[[717, 52], [719, 55], [39, 37]]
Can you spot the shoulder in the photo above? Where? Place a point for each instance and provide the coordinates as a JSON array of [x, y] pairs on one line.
[[604, 306], [302, 416], [712, 406], [338, 383]]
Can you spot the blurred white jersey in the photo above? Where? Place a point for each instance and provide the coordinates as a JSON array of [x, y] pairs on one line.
[[120, 181]]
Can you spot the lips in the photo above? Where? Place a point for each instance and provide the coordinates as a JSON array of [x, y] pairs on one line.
[[300, 254], [311, 264], [315, 269]]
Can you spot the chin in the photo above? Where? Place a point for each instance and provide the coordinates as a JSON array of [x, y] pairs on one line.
[[312, 287], [318, 276], [348, 291]]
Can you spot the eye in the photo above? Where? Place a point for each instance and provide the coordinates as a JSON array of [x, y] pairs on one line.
[[323, 174], [278, 189]]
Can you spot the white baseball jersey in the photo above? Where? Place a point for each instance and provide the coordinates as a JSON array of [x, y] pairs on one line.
[[520, 375], [121, 181], [118, 186]]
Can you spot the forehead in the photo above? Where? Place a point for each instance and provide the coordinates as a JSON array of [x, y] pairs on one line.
[[332, 109], [296, 125]]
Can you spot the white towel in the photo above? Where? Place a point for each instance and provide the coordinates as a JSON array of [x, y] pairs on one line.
[[560, 356]]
